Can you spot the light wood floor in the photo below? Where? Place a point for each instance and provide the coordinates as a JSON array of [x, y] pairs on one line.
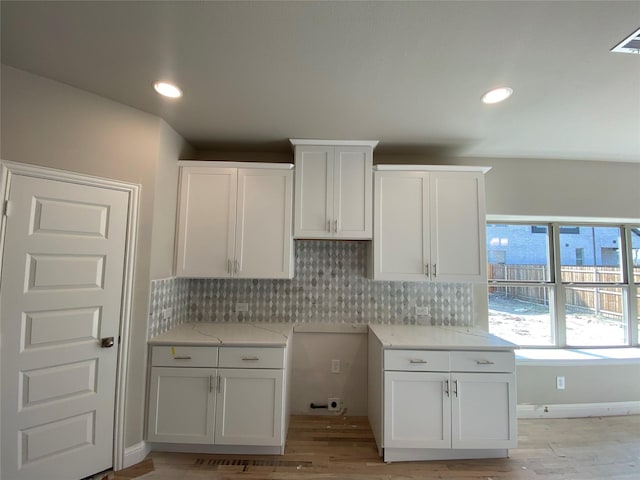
[[343, 448]]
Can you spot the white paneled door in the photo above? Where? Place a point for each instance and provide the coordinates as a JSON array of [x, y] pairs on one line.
[[60, 309]]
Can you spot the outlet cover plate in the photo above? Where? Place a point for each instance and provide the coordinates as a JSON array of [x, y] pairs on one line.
[[242, 307]]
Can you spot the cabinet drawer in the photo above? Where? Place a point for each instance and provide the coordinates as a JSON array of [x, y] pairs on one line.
[[416, 360], [184, 356], [483, 361], [251, 357]]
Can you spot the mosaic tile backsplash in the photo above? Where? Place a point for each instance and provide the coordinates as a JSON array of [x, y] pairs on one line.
[[330, 286]]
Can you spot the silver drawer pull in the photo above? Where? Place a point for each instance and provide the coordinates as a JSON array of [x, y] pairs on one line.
[[417, 360], [251, 358], [186, 357], [485, 362]]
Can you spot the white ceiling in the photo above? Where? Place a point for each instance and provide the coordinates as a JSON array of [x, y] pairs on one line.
[[409, 74]]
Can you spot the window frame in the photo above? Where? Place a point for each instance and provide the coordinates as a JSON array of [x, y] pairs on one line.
[[630, 288]]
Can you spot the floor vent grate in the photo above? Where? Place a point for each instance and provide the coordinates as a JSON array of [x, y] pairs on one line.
[[240, 462]]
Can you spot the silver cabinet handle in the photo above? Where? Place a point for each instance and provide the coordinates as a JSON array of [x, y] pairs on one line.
[[434, 269], [455, 388], [251, 358], [219, 384], [335, 226], [183, 357], [426, 269], [446, 387], [329, 226], [417, 360], [485, 362]]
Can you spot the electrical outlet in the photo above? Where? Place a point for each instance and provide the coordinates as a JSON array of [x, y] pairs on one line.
[[242, 307], [423, 311], [560, 382], [333, 404], [335, 366]]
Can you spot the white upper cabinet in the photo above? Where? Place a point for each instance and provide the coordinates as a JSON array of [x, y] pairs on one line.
[[333, 191], [458, 239], [235, 220], [206, 221], [429, 224]]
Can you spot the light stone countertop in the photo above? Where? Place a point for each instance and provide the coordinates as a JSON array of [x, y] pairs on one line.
[[230, 334], [438, 338], [277, 335]]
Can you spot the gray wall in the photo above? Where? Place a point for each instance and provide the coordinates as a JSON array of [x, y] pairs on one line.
[[51, 124], [551, 188], [584, 384]]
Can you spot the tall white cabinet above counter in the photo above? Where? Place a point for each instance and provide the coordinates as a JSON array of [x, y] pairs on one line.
[[234, 220], [333, 190], [429, 223]]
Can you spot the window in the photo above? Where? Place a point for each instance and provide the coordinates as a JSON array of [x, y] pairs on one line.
[[564, 285], [634, 234]]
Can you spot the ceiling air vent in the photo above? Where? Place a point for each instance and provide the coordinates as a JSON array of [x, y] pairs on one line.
[[631, 44]]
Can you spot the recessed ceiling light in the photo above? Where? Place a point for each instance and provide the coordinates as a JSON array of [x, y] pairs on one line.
[[497, 95], [167, 89]]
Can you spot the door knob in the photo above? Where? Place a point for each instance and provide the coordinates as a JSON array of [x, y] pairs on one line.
[[107, 342]]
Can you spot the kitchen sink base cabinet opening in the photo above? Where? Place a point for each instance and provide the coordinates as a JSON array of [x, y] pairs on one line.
[[227, 400], [440, 404]]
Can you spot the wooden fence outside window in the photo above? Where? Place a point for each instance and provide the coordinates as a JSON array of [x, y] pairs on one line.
[[602, 300]]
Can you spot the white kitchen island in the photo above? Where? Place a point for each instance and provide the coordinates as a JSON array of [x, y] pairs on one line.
[[438, 393], [220, 388]]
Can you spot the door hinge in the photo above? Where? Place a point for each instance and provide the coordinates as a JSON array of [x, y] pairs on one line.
[[5, 208]]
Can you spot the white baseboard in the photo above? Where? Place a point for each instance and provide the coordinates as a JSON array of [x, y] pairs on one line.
[[135, 454], [576, 410]]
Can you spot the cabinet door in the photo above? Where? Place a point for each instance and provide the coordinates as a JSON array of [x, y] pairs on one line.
[[458, 243], [263, 226], [250, 407], [401, 223], [182, 405], [483, 410], [314, 192], [417, 410], [206, 226], [352, 199]]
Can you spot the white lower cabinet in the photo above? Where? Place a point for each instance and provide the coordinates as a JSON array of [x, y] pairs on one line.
[[431, 411], [237, 406], [249, 407], [442, 410], [483, 413], [182, 405], [406, 394]]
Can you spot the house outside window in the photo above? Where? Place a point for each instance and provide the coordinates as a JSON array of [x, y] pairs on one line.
[[560, 285]]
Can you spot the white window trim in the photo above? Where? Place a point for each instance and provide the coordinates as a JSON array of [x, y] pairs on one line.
[[558, 288], [567, 357]]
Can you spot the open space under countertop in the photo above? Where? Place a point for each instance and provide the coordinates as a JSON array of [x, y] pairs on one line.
[[229, 334], [438, 338]]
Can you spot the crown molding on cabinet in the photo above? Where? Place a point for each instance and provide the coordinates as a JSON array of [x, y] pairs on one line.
[[223, 164], [333, 143], [432, 168]]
